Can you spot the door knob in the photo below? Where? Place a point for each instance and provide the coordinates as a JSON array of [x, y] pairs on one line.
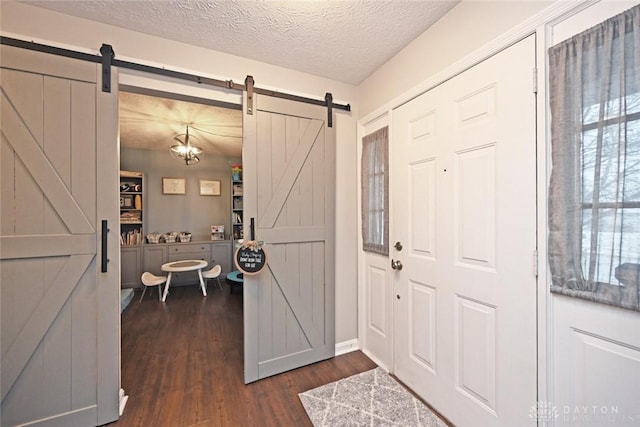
[[396, 265], [398, 246]]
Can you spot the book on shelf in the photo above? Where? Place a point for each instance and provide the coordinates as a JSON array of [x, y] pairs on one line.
[[130, 217], [131, 238]]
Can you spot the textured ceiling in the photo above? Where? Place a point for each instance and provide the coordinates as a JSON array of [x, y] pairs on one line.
[[344, 40], [151, 122]]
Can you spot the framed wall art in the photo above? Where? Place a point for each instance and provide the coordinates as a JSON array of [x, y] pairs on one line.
[[209, 188], [173, 186]]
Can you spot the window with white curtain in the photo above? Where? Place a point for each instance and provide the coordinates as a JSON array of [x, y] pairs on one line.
[[375, 191], [594, 192]]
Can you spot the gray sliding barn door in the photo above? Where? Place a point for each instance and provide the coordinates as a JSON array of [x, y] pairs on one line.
[[289, 176], [60, 313]]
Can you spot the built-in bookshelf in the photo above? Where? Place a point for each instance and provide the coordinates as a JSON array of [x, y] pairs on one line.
[[131, 218], [237, 203]]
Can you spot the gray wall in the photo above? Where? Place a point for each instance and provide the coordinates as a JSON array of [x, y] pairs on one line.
[[190, 212]]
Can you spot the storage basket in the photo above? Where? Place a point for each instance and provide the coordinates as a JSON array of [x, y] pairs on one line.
[[184, 237], [153, 238], [170, 237]]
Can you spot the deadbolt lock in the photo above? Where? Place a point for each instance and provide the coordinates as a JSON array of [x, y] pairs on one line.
[[398, 246]]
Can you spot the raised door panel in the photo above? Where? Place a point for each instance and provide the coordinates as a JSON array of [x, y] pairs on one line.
[[153, 258], [221, 254], [188, 249], [130, 266]]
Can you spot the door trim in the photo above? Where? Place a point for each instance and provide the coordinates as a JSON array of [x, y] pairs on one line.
[[108, 171]]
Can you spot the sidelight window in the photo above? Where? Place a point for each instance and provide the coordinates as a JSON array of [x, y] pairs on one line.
[[375, 191]]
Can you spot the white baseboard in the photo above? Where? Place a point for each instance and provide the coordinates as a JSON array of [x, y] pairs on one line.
[[123, 401], [376, 360], [347, 346]]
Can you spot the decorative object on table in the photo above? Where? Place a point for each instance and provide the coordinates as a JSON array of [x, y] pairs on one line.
[[173, 186], [184, 148], [250, 258], [209, 188], [184, 237], [370, 398]]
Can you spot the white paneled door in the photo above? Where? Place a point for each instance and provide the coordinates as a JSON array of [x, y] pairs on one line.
[[289, 192], [465, 212], [376, 305], [60, 311]]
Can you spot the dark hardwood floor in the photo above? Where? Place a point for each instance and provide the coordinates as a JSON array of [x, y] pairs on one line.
[[182, 365]]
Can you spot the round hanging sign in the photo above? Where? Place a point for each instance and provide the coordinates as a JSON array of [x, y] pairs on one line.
[[250, 258]]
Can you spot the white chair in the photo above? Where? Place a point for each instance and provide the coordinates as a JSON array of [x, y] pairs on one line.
[[149, 279], [214, 273]]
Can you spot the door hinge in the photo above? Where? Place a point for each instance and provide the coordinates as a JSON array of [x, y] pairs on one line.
[[535, 80], [535, 263]]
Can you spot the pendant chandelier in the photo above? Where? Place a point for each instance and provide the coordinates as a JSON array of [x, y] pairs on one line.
[[184, 150]]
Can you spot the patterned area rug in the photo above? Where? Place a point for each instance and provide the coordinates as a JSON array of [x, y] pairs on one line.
[[372, 398]]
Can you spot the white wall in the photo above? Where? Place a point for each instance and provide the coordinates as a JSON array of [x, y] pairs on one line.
[[30, 23], [467, 27]]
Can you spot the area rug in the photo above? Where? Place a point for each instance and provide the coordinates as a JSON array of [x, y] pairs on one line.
[[372, 398]]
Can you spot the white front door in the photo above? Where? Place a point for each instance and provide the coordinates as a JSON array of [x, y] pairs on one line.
[[594, 373], [464, 195], [59, 180]]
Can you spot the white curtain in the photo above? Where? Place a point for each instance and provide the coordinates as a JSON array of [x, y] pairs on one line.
[[375, 191], [594, 193]]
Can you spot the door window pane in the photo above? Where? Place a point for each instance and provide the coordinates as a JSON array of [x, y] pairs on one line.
[[375, 191]]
